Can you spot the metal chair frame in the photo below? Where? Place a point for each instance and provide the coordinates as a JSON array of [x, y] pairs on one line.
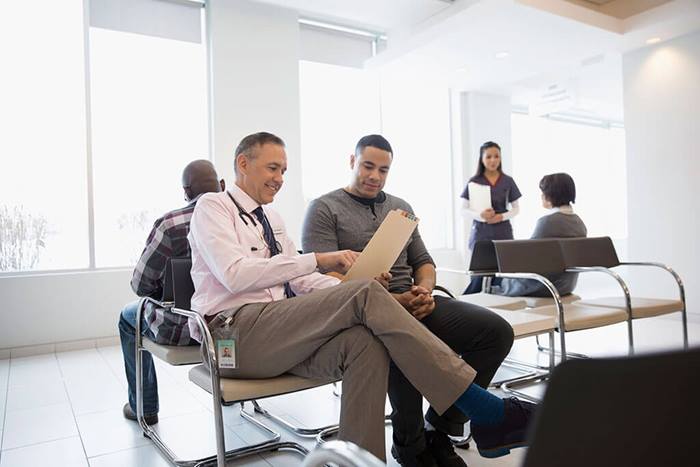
[[603, 258], [628, 306], [681, 291], [341, 453], [273, 443], [533, 373]]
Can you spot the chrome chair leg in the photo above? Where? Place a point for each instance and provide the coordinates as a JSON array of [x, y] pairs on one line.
[[300, 431], [323, 436]]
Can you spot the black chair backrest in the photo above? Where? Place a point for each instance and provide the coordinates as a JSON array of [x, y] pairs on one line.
[[588, 252], [640, 411], [484, 257], [183, 287], [541, 256], [167, 294]]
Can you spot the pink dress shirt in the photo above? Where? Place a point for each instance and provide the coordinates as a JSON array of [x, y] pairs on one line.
[[231, 264]]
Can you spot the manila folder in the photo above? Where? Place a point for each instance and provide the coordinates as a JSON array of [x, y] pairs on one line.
[[384, 247]]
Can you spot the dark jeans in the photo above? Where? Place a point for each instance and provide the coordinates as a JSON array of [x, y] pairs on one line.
[[127, 335], [482, 338], [476, 284]]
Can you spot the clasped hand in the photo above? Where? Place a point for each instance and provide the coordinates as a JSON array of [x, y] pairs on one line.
[[418, 301], [490, 216]]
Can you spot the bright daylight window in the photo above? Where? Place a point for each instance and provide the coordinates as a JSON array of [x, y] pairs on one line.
[[338, 106], [341, 104], [416, 120], [43, 195], [594, 156], [149, 119]]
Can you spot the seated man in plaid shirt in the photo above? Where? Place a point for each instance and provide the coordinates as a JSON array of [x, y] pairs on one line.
[[168, 239]]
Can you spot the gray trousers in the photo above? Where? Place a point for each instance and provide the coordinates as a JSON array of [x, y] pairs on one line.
[[350, 331]]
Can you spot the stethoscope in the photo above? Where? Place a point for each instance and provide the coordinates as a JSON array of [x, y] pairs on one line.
[[242, 213]]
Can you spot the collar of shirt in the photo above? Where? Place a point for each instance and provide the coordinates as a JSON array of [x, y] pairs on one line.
[[247, 203], [482, 180], [566, 209], [193, 201], [379, 199]]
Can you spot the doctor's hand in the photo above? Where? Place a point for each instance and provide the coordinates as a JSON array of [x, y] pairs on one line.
[[384, 279], [487, 214], [336, 261]]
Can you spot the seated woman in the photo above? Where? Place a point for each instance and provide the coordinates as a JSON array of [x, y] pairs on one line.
[[558, 193]]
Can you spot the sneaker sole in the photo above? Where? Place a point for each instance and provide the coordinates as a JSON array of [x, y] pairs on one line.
[[499, 451]]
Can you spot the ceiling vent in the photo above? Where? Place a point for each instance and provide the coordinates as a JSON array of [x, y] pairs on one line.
[[556, 97]]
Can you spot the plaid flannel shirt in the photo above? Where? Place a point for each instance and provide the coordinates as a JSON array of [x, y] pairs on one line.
[[167, 239]]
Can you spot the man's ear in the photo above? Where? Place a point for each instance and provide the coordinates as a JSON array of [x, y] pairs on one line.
[[353, 159], [242, 163], [222, 183], [188, 193]]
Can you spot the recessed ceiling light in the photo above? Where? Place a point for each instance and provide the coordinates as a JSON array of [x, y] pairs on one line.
[[462, 69], [654, 40], [501, 55]]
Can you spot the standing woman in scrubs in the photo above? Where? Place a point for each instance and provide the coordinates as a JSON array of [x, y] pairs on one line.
[[494, 223]]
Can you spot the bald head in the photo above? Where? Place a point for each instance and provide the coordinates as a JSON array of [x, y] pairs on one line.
[[200, 177]]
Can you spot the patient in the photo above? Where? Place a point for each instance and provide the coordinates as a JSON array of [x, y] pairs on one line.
[[168, 239], [558, 194]]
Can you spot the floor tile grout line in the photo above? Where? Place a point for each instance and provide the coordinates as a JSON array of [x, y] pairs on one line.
[[4, 406], [40, 442], [123, 450], [112, 370], [72, 409]]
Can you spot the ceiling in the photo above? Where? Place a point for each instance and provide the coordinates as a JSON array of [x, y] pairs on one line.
[[619, 8], [547, 41]]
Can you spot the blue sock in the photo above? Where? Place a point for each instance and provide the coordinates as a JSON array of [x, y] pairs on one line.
[[482, 407]]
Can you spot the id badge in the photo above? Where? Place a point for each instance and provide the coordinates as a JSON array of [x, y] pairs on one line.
[[226, 353]]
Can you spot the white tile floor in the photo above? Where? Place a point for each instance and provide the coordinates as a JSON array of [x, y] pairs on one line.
[[64, 409]]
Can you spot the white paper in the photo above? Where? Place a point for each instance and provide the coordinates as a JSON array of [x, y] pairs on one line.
[[479, 197]]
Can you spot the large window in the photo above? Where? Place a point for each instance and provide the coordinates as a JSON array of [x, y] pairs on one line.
[[43, 194], [149, 119], [593, 155], [416, 120], [341, 104], [338, 106], [147, 116]]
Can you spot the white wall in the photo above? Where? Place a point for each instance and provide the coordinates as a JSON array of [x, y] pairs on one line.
[[255, 77], [662, 121], [62, 307]]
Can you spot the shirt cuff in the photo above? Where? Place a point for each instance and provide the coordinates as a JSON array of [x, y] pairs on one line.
[[307, 263]]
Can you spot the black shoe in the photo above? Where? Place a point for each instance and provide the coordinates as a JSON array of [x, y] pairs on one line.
[[424, 459], [497, 440], [129, 414], [442, 449]]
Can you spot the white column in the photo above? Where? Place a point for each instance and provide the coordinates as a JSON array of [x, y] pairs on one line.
[[254, 79], [481, 117]]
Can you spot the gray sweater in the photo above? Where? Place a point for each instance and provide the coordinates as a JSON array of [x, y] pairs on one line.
[[337, 221], [556, 225]]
